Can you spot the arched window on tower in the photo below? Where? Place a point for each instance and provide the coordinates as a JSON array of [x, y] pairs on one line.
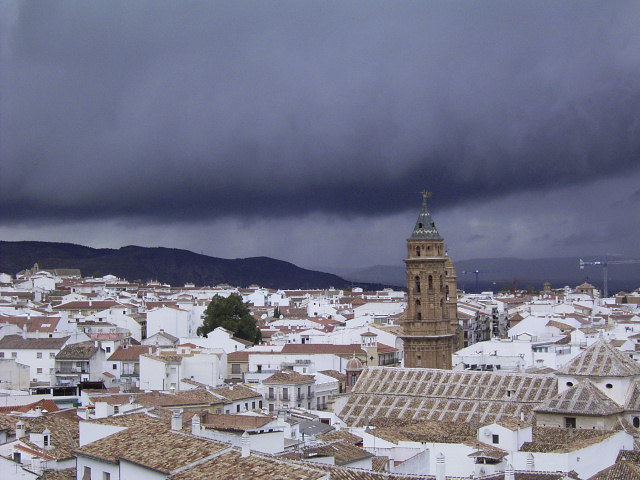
[[430, 283], [441, 283], [417, 280], [417, 251], [419, 315], [446, 291]]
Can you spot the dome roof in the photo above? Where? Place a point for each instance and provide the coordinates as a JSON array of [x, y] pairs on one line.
[[354, 364]]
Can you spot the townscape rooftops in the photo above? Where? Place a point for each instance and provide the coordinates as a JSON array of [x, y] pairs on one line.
[[559, 440], [232, 466], [342, 452], [32, 323], [601, 360], [396, 431], [236, 392], [239, 423], [429, 394], [131, 353], [16, 342], [288, 377], [77, 351], [581, 399], [152, 446]]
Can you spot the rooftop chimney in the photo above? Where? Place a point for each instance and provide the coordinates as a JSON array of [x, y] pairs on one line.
[[530, 463], [195, 424], [509, 473], [176, 420], [245, 441], [20, 429], [440, 467]]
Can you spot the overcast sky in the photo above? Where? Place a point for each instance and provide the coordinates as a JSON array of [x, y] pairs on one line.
[[305, 130]]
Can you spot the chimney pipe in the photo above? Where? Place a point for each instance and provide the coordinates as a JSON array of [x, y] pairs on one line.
[[176, 420], [440, 467], [245, 441]]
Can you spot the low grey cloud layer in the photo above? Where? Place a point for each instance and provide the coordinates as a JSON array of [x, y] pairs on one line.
[[182, 116]]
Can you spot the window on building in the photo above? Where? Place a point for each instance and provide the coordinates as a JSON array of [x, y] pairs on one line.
[[570, 422], [417, 283], [430, 283], [116, 409], [285, 393], [106, 476], [38, 370], [495, 438], [107, 349], [39, 355], [1, 354], [52, 355], [636, 422], [237, 408], [114, 366], [17, 457], [235, 368], [14, 354], [86, 474]]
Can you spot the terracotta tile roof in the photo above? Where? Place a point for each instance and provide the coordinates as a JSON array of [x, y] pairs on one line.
[[152, 446], [622, 470], [46, 404], [581, 399], [342, 452], [342, 435], [335, 374], [235, 422], [423, 431], [288, 377], [40, 324], [64, 432], [601, 360], [66, 474], [77, 351], [443, 395], [232, 466], [559, 440], [131, 353], [185, 398], [16, 342], [236, 392], [90, 305], [241, 356]]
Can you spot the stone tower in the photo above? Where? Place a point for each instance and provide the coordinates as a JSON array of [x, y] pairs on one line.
[[429, 333]]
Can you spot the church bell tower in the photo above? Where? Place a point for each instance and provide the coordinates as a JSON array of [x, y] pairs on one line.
[[429, 330]]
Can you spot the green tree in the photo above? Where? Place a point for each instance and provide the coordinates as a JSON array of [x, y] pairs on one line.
[[231, 314], [276, 312]]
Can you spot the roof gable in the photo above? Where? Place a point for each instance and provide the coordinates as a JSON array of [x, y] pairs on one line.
[[601, 360], [581, 399]]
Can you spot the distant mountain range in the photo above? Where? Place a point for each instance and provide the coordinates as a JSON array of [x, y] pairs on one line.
[[167, 265], [496, 273], [177, 267]]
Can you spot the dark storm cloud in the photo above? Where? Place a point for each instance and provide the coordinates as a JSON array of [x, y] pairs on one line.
[[164, 110]]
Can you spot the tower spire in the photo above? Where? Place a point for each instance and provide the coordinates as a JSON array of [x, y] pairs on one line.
[[425, 226]]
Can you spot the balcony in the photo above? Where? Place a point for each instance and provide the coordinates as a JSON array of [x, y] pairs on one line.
[[70, 371]]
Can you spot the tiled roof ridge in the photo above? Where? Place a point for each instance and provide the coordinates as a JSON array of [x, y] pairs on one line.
[[601, 359], [584, 398]]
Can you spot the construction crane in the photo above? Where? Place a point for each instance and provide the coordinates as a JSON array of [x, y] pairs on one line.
[[605, 262], [476, 273]]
